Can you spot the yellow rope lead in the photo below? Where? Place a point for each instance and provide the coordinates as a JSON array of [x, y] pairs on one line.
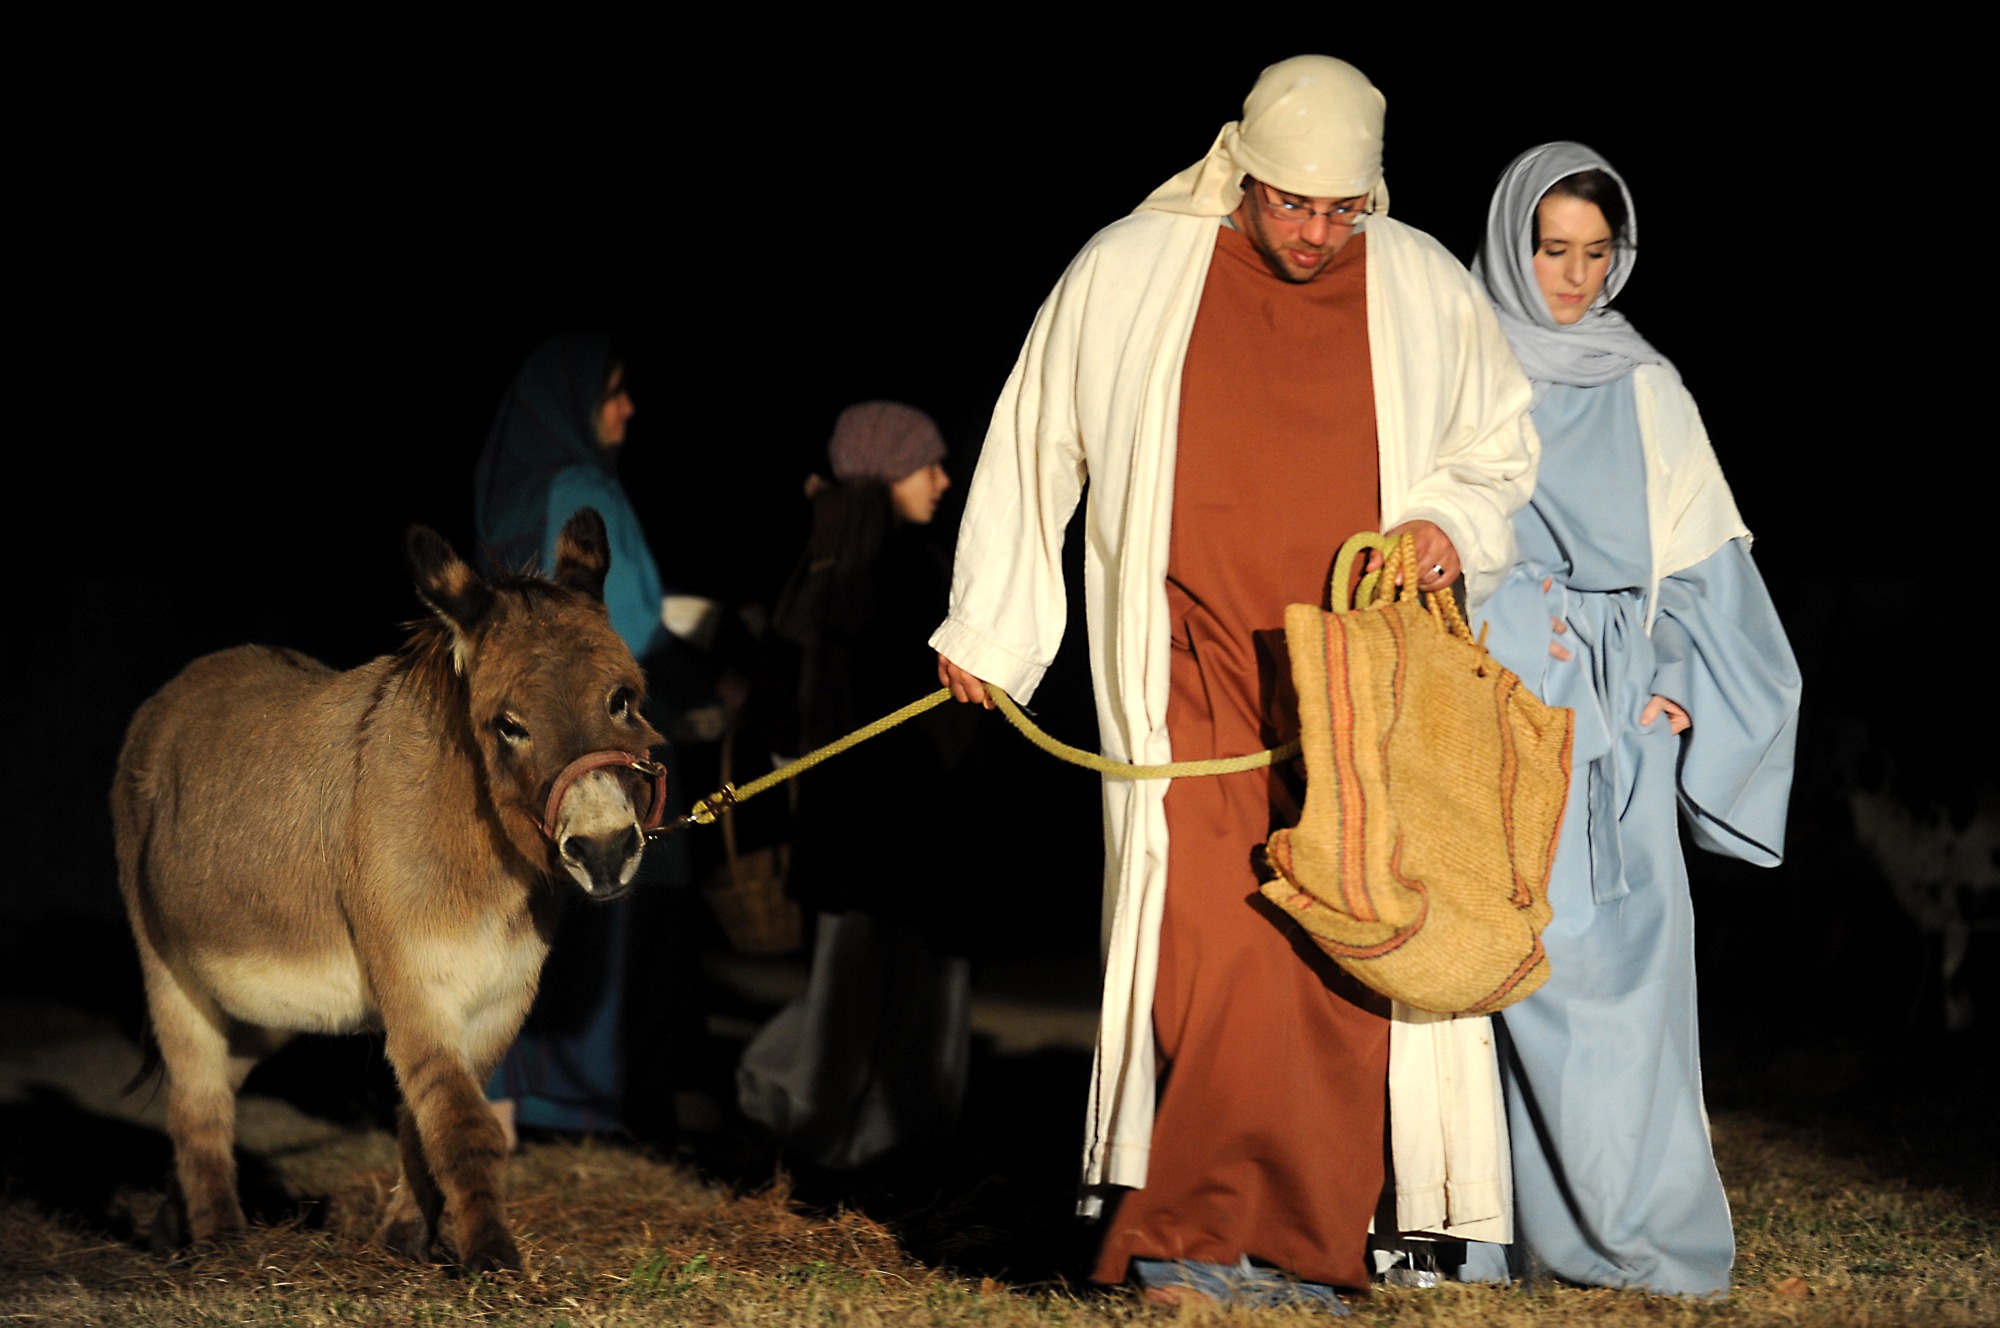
[[1378, 587], [1104, 765], [705, 811]]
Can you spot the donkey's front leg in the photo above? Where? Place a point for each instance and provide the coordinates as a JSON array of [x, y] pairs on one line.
[[459, 1143]]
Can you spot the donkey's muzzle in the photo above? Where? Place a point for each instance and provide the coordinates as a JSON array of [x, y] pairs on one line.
[[603, 864]]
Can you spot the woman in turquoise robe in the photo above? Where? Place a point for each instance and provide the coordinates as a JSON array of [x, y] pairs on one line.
[[552, 450], [1636, 603]]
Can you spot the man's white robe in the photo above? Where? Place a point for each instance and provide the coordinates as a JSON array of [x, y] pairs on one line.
[[1096, 393]]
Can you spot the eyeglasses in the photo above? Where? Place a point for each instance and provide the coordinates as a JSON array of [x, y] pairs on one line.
[[1344, 212]]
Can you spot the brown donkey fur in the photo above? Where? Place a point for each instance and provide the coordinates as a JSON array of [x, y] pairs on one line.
[[306, 850]]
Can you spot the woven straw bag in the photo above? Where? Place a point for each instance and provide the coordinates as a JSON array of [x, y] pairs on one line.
[[1435, 784]]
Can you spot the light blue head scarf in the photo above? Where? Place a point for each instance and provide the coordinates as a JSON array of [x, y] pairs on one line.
[[1602, 346]]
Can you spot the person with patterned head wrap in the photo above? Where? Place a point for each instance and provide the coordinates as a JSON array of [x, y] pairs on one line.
[[1253, 365]]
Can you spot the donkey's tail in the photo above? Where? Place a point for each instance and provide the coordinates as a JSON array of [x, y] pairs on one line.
[[151, 1064]]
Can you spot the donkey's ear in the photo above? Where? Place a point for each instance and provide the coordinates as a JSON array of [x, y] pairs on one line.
[[445, 581], [583, 554]]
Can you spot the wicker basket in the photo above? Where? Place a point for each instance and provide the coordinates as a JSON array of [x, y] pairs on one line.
[[749, 899], [747, 891]]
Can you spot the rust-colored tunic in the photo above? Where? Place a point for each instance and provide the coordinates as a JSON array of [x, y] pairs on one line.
[[1268, 1139]]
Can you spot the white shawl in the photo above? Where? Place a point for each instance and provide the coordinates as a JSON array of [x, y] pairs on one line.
[[1689, 507]]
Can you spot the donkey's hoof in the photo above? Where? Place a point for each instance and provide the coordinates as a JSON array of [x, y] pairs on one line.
[[492, 1250], [409, 1237], [223, 1223], [174, 1230], [168, 1234]]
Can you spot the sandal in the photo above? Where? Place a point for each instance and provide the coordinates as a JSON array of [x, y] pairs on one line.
[[1173, 1282]]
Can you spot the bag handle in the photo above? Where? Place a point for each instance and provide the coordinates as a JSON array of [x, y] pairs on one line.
[[1393, 582], [1371, 584]]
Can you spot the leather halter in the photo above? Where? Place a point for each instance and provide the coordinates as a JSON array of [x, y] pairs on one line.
[[590, 761]]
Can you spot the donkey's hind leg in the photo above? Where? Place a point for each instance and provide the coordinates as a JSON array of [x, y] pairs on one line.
[[410, 1228], [201, 1109]]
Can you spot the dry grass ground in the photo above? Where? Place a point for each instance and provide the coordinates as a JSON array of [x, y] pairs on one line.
[[1859, 1159], [617, 1236]]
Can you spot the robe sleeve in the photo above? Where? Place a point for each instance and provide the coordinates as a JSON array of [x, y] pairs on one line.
[[1723, 655], [1008, 606]]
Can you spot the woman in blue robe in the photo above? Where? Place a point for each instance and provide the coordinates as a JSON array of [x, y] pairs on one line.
[[553, 449], [1636, 603]]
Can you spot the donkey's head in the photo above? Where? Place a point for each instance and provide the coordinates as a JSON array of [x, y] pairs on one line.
[[545, 681]]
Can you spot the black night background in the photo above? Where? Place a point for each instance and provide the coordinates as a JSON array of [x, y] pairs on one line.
[[271, 304]]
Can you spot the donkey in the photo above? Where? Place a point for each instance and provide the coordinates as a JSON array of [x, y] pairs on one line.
[[306, 850]]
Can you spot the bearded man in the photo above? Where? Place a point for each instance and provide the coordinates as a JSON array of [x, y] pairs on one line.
[[1254, 365]]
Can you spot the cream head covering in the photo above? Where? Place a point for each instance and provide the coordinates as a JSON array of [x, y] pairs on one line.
[[1312, 126]]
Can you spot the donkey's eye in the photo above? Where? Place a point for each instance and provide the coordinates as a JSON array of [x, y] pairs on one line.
[[510, 728], [621, 703]]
